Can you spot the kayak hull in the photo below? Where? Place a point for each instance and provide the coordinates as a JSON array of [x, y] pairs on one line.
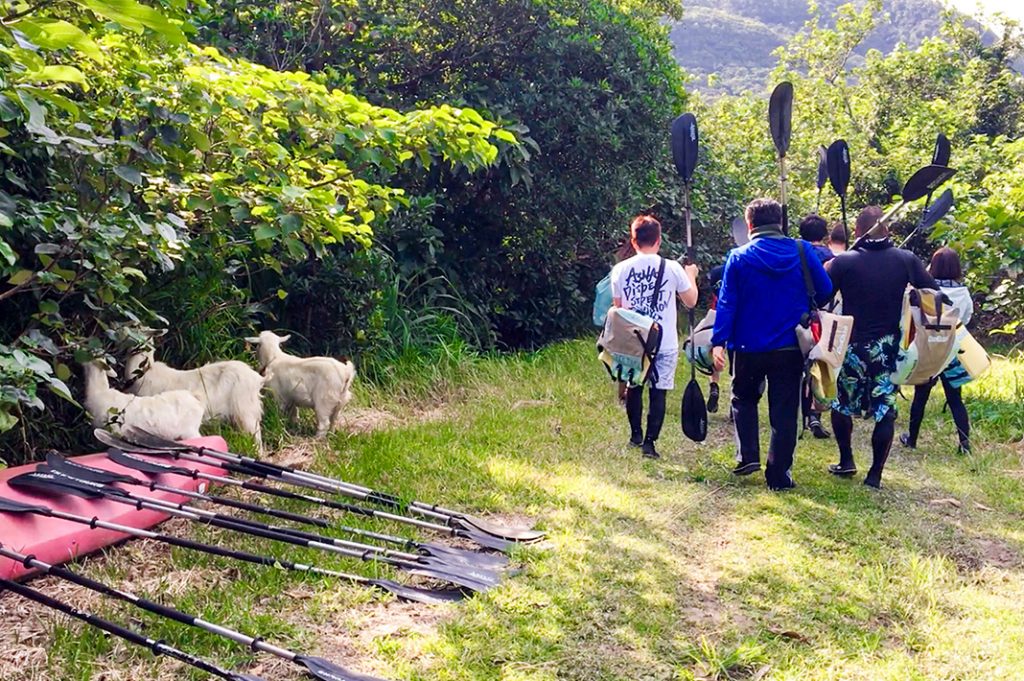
[[56, 541]]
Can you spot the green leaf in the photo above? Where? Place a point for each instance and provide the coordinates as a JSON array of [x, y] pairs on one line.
[[60, 388], [55, 34], [20, 277], [7, 420], [6, 252], [56, 74], [129, 175], [63, 371], [135, 17], [266, 231], [9, 110]]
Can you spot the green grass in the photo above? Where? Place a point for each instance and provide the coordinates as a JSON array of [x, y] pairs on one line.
[[666, 570]]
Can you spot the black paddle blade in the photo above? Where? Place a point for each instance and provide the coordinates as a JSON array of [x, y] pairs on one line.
[[516, 534], [822, 167], [937, 210], [925, 181], [450, 554], [838, 160], [111, 440], [324, 670], [43, 481], [780, 116], [942, 151], [62, 465], [245, 677], [685, 145], [694, 413], [11, 506], [740, 233], [485, 540], [418, 595], [144, 465]]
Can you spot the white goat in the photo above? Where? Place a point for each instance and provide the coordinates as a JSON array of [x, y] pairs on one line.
[[227, 390], [174, 415], [323, 383]]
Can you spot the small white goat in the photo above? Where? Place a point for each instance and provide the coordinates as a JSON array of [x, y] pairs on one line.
[[323, 383], [227, 390], [174, 415]]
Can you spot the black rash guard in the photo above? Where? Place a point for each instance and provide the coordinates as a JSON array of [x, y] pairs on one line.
[[872, 280]]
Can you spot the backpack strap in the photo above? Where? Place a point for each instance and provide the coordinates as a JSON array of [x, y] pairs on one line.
[[657, 286], [808, 282]]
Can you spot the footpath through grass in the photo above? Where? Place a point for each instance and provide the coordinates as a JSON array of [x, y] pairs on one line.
[[664, 570]]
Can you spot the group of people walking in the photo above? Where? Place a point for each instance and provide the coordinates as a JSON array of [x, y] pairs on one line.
[[762, 296]]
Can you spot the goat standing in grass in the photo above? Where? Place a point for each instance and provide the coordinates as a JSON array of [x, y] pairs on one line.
[[174, 415], [322, 383], [227, 390]]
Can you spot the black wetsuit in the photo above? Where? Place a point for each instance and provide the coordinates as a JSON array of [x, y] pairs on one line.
[[872, 280]]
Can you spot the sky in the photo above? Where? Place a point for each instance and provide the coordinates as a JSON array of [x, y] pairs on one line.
[[1011, 8]]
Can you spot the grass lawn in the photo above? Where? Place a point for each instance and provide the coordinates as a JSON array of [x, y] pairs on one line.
[[663, 570]]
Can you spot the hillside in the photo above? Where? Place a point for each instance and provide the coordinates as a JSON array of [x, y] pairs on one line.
[[734, 39]]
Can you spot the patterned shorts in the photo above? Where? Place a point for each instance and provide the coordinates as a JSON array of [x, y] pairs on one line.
[[864, 386]]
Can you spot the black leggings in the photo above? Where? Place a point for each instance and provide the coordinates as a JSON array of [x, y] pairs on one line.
[[881, 442], [956, 406], [635, 412]]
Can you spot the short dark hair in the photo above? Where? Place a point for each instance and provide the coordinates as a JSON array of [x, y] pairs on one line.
[[946, 264], [762, 212], [813, 228], [838, 235], [645, 230], [867, 219]]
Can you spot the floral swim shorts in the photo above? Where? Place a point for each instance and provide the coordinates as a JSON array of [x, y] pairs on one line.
[[864, 387]]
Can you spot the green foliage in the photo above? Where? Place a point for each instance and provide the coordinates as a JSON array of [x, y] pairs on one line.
[[588, 85], [149, 157], [890, 108]]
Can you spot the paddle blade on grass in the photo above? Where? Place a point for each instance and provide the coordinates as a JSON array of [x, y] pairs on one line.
[[326, 670]]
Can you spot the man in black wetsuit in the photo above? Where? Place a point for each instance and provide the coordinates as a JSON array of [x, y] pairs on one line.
[[872, 280]]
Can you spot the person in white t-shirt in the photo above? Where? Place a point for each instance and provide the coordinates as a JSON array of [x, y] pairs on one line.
[[633, 282]]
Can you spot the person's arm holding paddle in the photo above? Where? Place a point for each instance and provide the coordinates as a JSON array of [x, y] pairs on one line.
[[689, 296], [726, 313]]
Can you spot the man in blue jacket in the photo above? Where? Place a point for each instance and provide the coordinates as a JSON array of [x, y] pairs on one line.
[[763, 298]]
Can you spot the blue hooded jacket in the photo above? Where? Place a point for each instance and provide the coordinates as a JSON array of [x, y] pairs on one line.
[[763, 295]]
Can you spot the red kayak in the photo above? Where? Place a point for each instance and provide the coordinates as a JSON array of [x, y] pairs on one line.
[[57, 541]]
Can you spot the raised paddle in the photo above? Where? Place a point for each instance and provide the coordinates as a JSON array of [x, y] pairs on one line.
[[932, 214], [780, 122], [155, 647], [943, 149], [435, 512], [837, 158], [822, 174], [409, 593], [740, 232], [446, 553], [920, 184], [685, 150], [318, 668], [237, 464]]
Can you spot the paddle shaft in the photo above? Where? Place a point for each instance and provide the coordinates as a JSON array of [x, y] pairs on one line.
[[170, 540], [156, 647], [285, 494], [149, 606]]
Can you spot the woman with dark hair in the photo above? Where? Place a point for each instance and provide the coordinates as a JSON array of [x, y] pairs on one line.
[[945, 268]]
